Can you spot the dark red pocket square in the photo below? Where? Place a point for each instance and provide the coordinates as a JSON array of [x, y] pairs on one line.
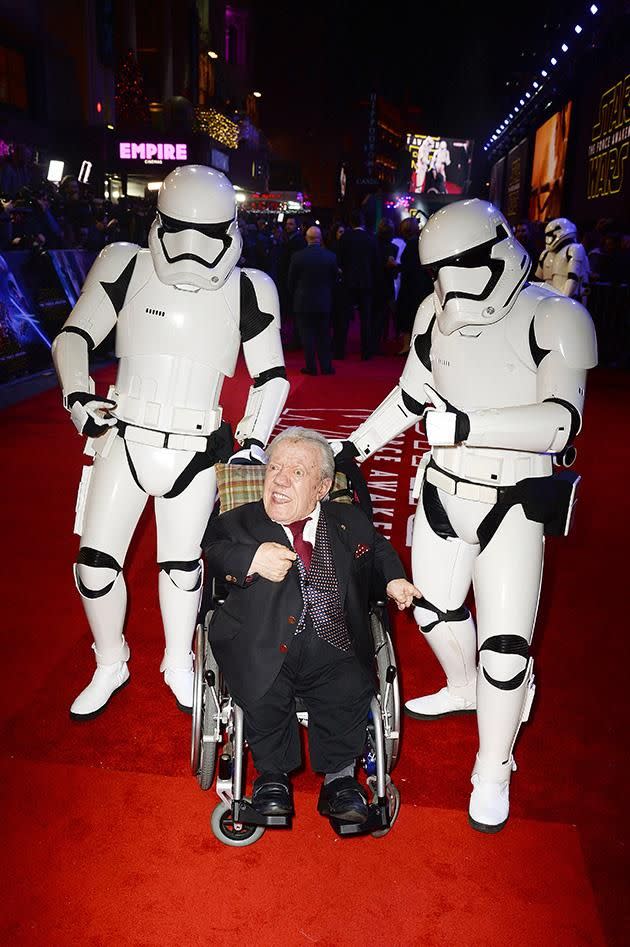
[[361, 550]]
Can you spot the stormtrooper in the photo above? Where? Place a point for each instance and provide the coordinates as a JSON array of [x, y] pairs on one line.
[[563, 264], [497, 369], [181, 310]]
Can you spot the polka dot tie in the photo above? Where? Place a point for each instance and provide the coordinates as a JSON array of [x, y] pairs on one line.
[[301, 546]]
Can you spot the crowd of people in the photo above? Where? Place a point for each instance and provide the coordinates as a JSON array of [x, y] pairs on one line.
[[323, 279]]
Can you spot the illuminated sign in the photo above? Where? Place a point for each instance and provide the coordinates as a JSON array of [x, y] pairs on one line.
[[152, 152], [439, 166], [610, 141]]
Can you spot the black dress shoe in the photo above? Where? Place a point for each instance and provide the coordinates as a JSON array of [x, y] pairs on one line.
[[272, 795], [343, 799]]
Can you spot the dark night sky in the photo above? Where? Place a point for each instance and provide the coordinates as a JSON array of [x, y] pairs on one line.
[[452, 60]]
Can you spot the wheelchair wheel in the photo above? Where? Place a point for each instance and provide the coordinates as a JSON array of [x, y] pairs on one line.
[[230, 833], [205, 731], [197, 711], [393, 801], [389, 697]]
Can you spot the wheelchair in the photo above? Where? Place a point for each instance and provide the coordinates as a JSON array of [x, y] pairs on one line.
[[218, 744]]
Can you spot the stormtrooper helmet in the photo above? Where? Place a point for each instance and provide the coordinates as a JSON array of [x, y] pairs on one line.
[[194, 239], [559, 232], [476, 264]]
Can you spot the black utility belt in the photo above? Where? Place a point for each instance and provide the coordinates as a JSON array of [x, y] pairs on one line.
[[547, 500]]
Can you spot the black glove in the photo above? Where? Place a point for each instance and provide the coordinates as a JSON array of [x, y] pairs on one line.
[[89, 413]]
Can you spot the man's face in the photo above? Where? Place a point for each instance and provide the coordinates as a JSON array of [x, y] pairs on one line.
[[293, 482], [290, 226]]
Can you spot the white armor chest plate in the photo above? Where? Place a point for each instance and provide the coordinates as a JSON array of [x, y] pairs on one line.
[[480, 367], [483, 367], [175, 347]]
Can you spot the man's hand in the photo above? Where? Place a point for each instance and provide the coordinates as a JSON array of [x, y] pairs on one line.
[[344, 450], [445, 424], [402, 592], [272, 561], [90, 414]]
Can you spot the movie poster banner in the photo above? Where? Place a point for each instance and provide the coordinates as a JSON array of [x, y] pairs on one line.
[[497, 178], [602, 152], [550, 152], [37, 292], [439, 166], [515, 207]]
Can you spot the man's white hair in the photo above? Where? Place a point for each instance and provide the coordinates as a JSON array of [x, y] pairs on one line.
[[307, 435]]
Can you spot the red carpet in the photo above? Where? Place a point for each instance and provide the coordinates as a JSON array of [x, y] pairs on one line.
[[125, 858], [107, 837]]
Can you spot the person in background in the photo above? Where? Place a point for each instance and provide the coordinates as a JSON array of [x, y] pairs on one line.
[[384, 293], [341, 303], [312, 279], [415, 283], [358, 260], [293, 241]]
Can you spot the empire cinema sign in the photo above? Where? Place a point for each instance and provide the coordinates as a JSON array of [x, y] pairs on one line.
[[151, 152]]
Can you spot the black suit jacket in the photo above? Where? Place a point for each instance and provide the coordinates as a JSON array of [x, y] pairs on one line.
[[312, 277], [250, 633], [358, 259]]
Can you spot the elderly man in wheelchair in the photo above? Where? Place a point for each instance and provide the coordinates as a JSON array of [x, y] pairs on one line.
[[295, 625]]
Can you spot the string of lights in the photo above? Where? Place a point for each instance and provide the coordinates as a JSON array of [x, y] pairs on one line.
[[537, 86], [218, 126]]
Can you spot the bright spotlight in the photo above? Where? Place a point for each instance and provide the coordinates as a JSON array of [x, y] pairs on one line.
[[240, 197], [578, 29], [212, 54], [594, 9], [564, 48], [527, 95], [516, 108], [154, 185], [554, 61], [535, 84], [544, 73], [257, 95], [522, 101]]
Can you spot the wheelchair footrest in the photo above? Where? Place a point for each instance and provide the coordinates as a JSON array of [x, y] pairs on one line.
[[378, 819], [244, 812]]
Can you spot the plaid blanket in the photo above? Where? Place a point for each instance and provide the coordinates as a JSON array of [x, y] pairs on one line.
[[243, 483]]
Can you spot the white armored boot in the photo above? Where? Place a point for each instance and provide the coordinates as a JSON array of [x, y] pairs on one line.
[[105, 613], [179, 613], [489, 806], [454, 645], [110, 676], [499, 718]]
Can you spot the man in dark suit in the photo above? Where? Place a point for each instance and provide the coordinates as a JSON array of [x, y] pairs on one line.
[[293, 242], [358, 259], [312, 277], [295, 622]]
